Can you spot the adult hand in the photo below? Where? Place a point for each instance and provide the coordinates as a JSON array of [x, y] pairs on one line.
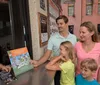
[[34, 62], [6, 68]]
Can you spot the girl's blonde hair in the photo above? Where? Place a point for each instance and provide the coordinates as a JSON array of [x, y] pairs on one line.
[[69, 48]]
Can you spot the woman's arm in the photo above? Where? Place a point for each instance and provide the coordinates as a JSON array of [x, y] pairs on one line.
[[54, 64], [98, 75], [75, 56], [5, 68]]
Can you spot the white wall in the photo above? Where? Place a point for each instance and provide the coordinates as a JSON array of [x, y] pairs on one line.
[[34, 8]]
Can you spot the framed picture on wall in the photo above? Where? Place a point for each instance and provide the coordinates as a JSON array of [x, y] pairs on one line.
[[42, 4], [43, 32]]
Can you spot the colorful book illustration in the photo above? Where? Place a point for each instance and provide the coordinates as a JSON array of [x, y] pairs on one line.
[[20, 60]]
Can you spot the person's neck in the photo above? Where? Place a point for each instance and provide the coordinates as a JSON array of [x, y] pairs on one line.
[[64, 34], [89, 78], [88, 43]]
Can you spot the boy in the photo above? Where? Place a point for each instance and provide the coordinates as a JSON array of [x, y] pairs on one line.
[[88, 68]]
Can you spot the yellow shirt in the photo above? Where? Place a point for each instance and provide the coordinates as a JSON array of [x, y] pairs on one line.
[[67, 73]]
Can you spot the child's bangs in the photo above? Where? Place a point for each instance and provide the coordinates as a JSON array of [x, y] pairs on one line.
[[84, 65]]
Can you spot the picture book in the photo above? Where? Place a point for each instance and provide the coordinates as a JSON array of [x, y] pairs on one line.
[[20, 60]]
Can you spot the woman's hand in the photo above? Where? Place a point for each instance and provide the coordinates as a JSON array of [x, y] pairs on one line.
[[6, 68], [98, 75]]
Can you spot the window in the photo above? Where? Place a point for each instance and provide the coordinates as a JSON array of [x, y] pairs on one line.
[[71, 28], [98, 28], [89, 7], [70, 9], [98, 6]]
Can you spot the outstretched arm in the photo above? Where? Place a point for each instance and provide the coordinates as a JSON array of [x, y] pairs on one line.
[[53, 64], [43, 59]]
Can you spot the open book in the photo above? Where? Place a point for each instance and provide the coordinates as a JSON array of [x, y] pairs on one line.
[[20, 60]]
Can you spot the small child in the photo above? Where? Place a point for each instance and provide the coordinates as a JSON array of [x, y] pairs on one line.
[[64, 62], [88, 68]]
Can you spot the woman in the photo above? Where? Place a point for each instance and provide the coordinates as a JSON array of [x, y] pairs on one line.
[[4, 60], [88, 46]]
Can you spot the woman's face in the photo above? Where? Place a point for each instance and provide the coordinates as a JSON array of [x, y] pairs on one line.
[[85, 34]]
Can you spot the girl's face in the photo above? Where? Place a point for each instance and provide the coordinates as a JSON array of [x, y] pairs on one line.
[[85, 34], [63, 51]]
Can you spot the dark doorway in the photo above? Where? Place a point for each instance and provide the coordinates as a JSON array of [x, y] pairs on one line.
[[71, 28], [14, 25], [98, 28], [6, 41]]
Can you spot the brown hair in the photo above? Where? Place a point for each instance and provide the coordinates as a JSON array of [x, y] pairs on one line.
[[90, 64], [69, 47], [91, 28], [62, 17]]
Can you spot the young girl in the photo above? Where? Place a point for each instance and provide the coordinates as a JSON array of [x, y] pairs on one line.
[[64, 62]]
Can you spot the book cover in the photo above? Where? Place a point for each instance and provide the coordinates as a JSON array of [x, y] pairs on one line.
[[20, 60]]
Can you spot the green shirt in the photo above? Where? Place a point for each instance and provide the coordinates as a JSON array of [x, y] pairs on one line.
[[67, 73], [55, 41]]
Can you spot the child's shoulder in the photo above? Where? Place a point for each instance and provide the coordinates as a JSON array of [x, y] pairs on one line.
[[95, 82], [79, 80], [79, 76]]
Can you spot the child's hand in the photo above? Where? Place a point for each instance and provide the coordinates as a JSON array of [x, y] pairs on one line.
[[63, 58]]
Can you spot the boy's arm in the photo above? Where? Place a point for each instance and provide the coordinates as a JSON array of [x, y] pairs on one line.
[[53, 64]]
